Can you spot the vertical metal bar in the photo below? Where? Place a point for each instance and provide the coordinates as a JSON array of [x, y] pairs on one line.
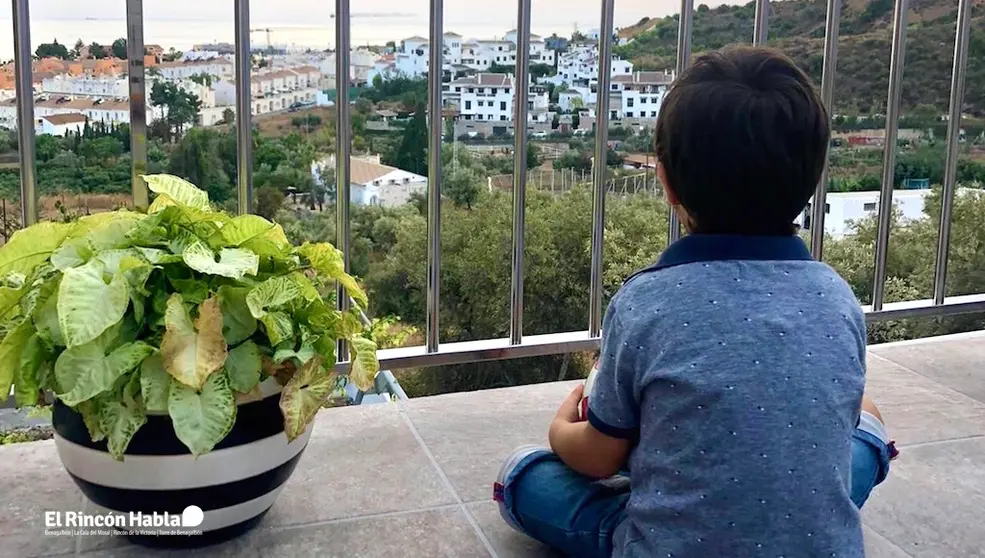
[[953, 132], [760, 29], [138, 102], [683, 61], [828, 70], [25, 112], [244, 108], [343, 149], [435, 73], [521, 84], [889, 155], [599, 166]]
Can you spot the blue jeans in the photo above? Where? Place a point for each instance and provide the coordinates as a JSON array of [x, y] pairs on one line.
[[578, 516]]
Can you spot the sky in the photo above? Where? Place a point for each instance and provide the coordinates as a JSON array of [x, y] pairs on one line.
[[308, 23]]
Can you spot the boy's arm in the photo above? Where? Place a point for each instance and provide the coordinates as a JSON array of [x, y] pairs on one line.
[[582, 447]]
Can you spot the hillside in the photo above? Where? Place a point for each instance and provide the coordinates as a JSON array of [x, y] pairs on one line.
[[797, 28]]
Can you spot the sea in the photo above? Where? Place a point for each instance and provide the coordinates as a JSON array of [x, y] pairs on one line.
[[304, 24]]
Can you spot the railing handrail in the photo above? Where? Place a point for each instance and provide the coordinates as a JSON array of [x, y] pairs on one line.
[[516, 344]]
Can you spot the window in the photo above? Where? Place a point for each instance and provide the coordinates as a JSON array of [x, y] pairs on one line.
[[615, 86], [471, 89], [629, 102], [376, 183], [406, 180], [479, 103], [827, 208], [493, 90], [869, 206], [502, 117], [653, 114], [458, 90], [392, 181], [502, 105], [468, 105], [642, 100], [629, 115]]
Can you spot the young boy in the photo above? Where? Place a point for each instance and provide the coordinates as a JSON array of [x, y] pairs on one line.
[[731, 373]]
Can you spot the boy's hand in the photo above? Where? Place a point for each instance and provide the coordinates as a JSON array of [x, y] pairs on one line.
[[582, 447], [568, 412]]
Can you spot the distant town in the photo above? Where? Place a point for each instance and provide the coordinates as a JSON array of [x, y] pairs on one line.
[[88, 82]]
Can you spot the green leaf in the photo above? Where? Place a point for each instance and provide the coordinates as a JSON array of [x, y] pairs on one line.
[[178, 190], [86, 371], [231, 262], [10, 354], [31, 247], [119, 421], [157, 256], [9, 298], [279, 327], [112, 234], [273, 292], [238, 324], [87, 305], [304, 394], [307, 288], [27, 387], [46, 321], [72, 253], [327, 261], [90, 411], [190, 353], [364, 365], [303, 354], [243, 367], [242, 229], [202, 419], [155, 382]]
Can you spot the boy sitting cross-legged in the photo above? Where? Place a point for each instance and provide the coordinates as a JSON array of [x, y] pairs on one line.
[[731, 373]]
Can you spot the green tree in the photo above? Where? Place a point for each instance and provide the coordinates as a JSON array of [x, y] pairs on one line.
[[52, 49], [461, 185], [269, 201], [533, 156], [96, 51], [197, 159], [228, 116], [411, 153], [120, 48], [576, 120], [181, 107], [171, 55], [77, 51]]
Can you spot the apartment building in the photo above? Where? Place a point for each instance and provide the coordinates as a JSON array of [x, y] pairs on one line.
[[274, 91], [489, 98], [184, 69], [641, 94], [111, 112], [580, 66], [85, 85]]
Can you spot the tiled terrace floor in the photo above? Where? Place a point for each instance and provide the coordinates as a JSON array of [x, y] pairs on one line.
[[413, 480]]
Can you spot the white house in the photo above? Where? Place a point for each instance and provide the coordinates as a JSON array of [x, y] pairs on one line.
[[580, 66], [842, 208], [539, 53], [108, 111], [373, 183], [274, 91], [60, 124], [489, 98], [220, 67], [640, 94], [64, 84]]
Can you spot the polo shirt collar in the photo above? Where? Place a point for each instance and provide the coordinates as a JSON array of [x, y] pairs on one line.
[[718, 247]]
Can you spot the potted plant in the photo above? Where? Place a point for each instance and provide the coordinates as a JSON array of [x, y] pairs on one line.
[[186, 352]]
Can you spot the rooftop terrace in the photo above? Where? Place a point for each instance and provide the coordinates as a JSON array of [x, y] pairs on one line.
[[413, 479]]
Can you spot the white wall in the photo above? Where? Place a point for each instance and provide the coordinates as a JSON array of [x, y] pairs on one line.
[[844, 207]]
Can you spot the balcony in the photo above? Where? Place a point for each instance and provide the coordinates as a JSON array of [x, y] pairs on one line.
[[412, 479]]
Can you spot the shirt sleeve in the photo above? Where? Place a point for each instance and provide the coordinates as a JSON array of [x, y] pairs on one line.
[[613, 406]]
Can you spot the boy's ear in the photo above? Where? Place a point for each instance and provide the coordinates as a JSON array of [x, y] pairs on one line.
[[668, 189]]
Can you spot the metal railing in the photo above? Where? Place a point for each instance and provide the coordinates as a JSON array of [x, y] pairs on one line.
[[516, 344]]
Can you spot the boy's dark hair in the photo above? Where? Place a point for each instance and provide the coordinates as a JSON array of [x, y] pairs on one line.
[[742, 137]]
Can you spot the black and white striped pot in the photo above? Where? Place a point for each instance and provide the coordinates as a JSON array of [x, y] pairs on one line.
[[234, 484]]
